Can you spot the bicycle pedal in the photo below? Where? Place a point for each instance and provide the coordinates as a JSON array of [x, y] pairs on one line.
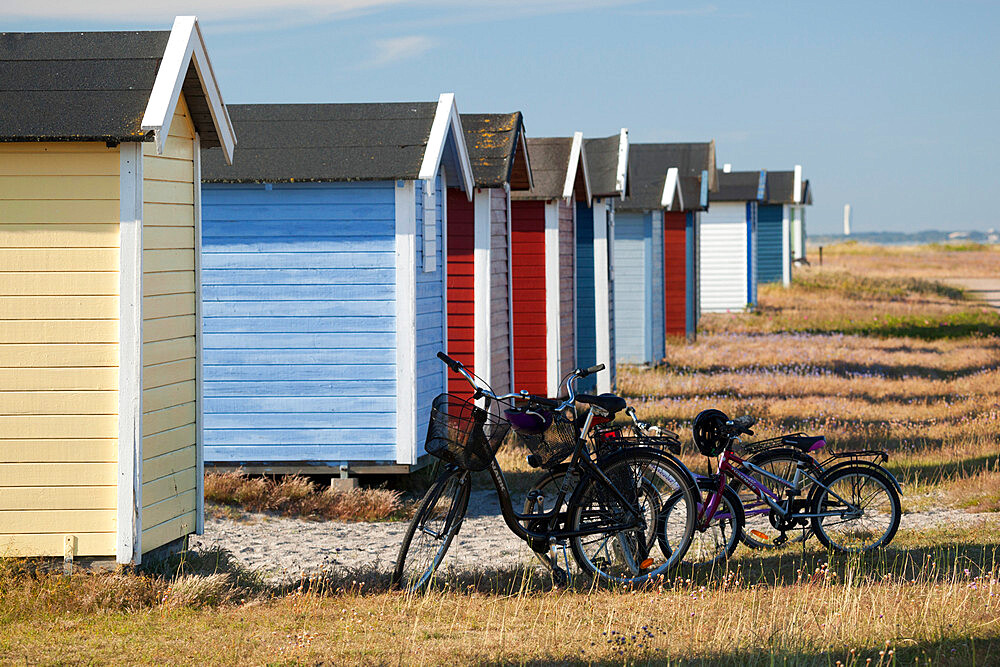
[[779, 540]]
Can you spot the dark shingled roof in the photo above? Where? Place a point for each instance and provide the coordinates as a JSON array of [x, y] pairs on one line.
[[648, 165], [495, 151], [324, 142], [780, 186], [602, 165], [549, 161], [737, 186], [86, 86]]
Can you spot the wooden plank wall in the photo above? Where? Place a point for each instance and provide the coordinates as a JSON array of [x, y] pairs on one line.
[[770, 249], [431, 378], [611, 297], [500, 306], [567, 288], [299, 308], [586, 323], [722, 261], [633, 338], [657, 320], [528, 271], [58, 347], [461, 287], [169, 457], [675, 272]]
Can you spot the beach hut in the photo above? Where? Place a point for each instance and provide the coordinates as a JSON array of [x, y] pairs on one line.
[[728, 248], [607, 167], [324, 284], [543, 263], [479, 300], [776, 218], [639, 254], [100, 447]]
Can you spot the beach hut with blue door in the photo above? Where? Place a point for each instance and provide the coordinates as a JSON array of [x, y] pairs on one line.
[[480, 326], [100, 364], [324, 283], [639, 255], [543, 265], [607, 166], [776, 219], [728, 247]]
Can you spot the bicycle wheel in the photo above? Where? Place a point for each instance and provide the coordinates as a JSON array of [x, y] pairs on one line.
[[647, 479], [438, 519], [867, 505], [758, 531], [716, 541]]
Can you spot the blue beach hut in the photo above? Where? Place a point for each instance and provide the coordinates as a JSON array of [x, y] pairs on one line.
[[728, 247], [607, 166], [776, 220], [325, 284]]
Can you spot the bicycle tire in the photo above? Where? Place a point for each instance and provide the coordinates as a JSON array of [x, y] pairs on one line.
[[706, 549], [444, 503], [623, 556], [833, 482], [758, 531]]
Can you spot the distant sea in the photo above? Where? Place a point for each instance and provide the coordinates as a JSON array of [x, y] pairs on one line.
[[908, 238]]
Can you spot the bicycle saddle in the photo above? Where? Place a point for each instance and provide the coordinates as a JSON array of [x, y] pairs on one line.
[[806, 443], [609, 402]]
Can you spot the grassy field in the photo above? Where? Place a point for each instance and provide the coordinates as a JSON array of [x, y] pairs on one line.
[[871, 349]]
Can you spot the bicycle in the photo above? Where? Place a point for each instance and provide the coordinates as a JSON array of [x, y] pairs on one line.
[[613, 504], [852, 507]]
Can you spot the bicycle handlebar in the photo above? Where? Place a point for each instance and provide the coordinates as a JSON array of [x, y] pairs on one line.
[[742, 424]]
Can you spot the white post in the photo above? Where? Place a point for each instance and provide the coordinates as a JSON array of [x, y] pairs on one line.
[[406, 322], [483, 298], [786, 246], [727, 168], [552, 337], [602, 306], [847, 219]]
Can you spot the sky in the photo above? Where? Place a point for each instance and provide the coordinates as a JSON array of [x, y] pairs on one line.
[[891, 107]]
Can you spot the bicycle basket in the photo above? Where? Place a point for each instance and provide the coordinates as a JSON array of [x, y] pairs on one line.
[[464, 434], [610, 437], [553, 445]]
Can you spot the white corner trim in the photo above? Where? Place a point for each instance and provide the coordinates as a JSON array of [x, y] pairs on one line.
[[552, 337], [128, 547], [199, 360], [797, 185], [406, 322], [444, 272], [446, 118], [602, 307], [482, 260], [672, 191], [622, 175], [786, 246], [510, 288], [576, 155], [185, 43]]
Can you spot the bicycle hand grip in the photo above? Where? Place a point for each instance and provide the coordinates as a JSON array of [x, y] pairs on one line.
[[584, 372], [452, 364]]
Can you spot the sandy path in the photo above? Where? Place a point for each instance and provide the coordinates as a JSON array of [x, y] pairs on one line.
[[987, 289], [287, 548]]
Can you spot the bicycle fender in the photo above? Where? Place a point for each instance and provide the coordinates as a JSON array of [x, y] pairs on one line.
[[689, 476]]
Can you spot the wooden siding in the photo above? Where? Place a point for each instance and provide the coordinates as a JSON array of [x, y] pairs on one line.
[[298, 301], [769, 243], [723, 257], [675, 287], [657, 320], [567, 288], [169, 456], [633, 288], [586, 322], [58, 347], [528, 275], [500, 292], [692, 274], [461, 286], [431, 378]]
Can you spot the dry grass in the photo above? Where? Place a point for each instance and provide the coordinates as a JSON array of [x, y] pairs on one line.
[[294, 495]]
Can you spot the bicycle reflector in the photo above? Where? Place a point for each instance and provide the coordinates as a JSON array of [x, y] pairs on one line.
[[708, 432]]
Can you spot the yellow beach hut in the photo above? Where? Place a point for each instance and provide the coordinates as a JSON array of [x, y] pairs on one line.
[[100, 409]]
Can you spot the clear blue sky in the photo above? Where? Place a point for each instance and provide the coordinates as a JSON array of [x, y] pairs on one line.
[[891, 107]]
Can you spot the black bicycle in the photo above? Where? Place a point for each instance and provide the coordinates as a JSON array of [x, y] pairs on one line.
[[606, 510]]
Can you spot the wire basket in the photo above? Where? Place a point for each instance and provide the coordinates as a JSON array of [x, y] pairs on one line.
[[462, 433], [611, 437], [769, 443], [551, 447]]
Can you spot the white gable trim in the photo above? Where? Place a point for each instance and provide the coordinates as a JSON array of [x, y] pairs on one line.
[[622, 175], [446, 117], [523, 140], [672, 191], [184, 45], [576, 156]]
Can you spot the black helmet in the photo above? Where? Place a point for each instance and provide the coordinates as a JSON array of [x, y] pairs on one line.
[[708, 431]]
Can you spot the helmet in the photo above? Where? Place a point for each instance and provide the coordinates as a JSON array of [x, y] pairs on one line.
[[708, 431], [525, 420]]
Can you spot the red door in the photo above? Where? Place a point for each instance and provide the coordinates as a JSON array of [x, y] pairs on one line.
[[461, 286], [528, 287], [675, 273]]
